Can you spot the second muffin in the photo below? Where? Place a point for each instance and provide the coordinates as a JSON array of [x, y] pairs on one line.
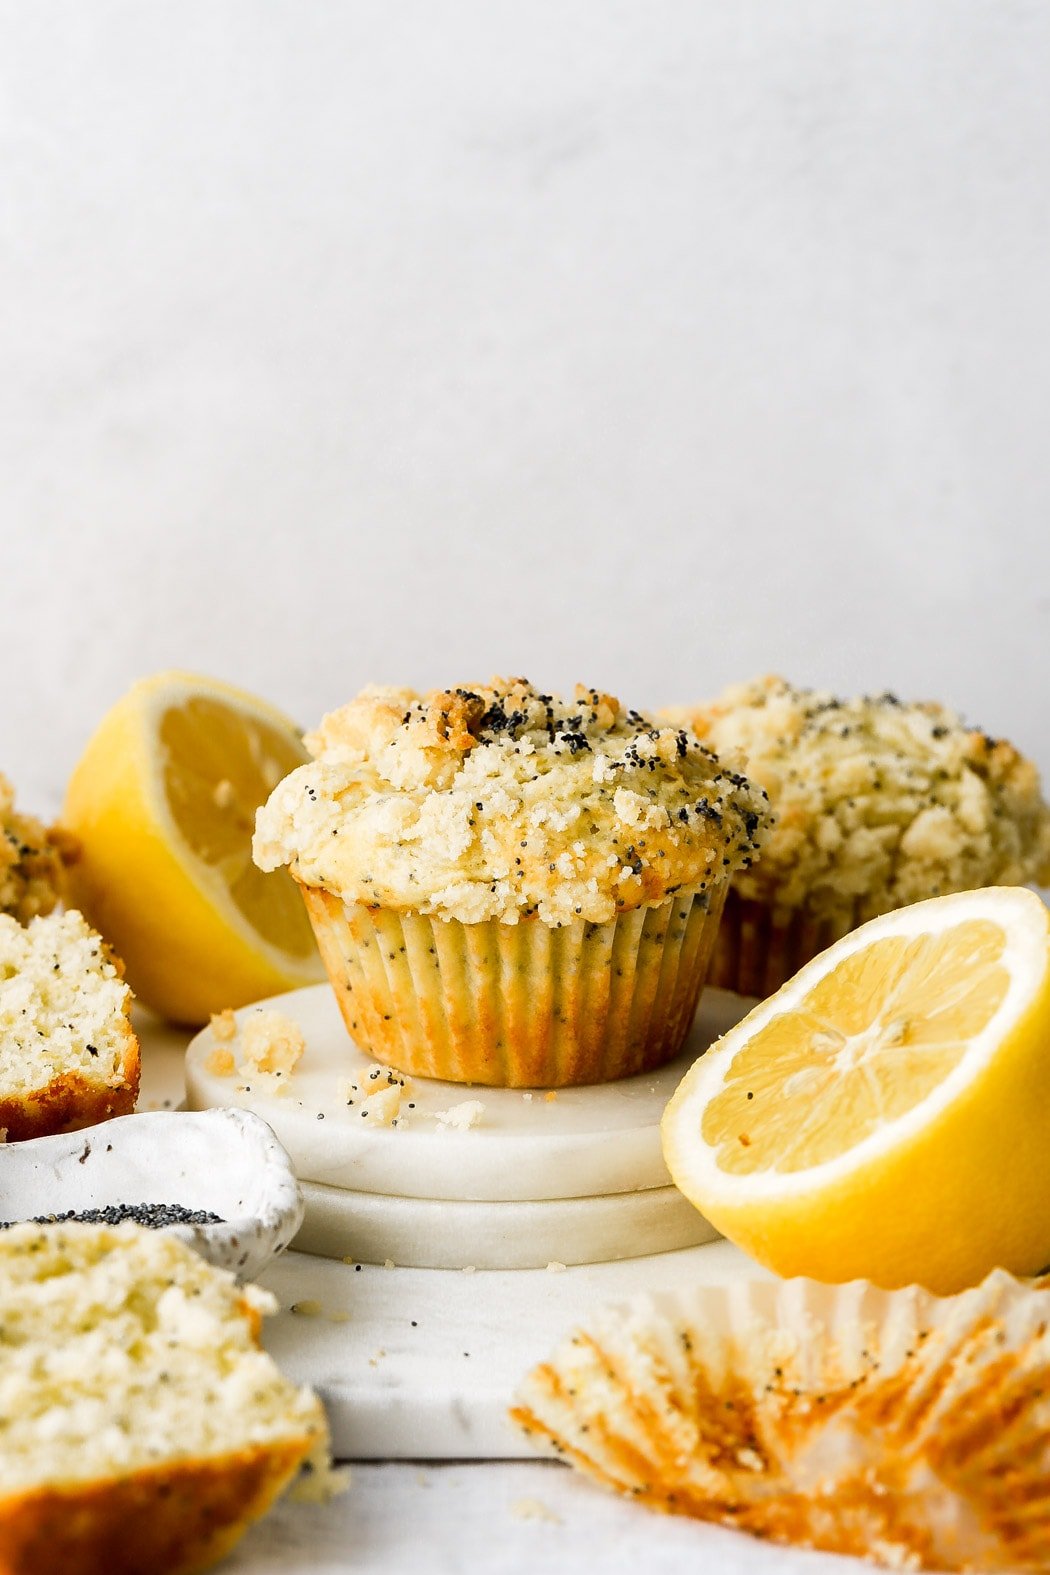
[[508, 888], [877, 804]]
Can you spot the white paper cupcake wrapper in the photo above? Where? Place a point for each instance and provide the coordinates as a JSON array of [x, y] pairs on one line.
[[895, 1425], [521, 1005]]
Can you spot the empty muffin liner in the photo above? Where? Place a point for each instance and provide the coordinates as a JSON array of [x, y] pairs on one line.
[[909, 1429]]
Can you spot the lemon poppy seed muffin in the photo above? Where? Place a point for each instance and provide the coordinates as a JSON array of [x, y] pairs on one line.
[[69, 1056], [142, 1427], [508, 887], [33, 859], [877, 804]]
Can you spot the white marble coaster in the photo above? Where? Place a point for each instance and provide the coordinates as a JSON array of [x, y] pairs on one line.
[[446, 1234], [421, 1364], [577, 1142]]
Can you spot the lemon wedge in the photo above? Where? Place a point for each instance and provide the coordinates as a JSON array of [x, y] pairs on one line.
[[163, 805], [886, 1115]]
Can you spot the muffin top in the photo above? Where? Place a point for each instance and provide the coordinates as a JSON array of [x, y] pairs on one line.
[[498, 802], [876, 803], [32, 860]]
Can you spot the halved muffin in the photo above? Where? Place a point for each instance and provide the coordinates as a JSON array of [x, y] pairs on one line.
[[142, 1428], [68, 1054]]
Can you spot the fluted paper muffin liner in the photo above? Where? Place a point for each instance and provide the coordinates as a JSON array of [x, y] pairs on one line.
[[522, 1005], [760, 947], [896, 1425]]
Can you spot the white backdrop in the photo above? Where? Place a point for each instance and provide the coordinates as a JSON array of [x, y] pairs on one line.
[[655, 344]]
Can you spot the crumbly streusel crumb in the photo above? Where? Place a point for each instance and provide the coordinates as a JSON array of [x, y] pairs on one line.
[[500, 802], [877, 803], [270, 1042], [376, 1094], [461, 1117], [223, 1025], [220, 1063], [33, 859]]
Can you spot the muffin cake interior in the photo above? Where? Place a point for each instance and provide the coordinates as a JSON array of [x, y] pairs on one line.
[[63, 1006], [122, 1349]]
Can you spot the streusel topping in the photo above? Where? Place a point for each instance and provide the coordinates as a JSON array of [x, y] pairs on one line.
[[32, 860], [498, 802], [876, 802]]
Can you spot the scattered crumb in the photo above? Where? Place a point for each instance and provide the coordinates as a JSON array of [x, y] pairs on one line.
[[534, 1509], [319, 1482], [526, 1096], [554, 1267], [551, 1095], [220, 1063], [351, 1261], [312, 1309], [469, 1268], [223, 1025], [388, 1263], [384, 1106], [376, 1094], [460, 1117], [373, 1361], [270, 1042]]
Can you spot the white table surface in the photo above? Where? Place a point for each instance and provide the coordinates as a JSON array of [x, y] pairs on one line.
[[507, 1517], [450, 1518]]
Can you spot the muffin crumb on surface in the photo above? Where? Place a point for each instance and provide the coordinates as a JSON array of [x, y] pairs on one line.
[[270, 1041], [223, 1025], [265, 1046], [376, 1093], [460, 1118]]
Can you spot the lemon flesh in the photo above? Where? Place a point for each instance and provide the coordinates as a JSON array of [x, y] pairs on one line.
[[163, 804], [887, 1114]]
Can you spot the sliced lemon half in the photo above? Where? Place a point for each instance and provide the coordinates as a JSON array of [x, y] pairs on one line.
[[886, 1115], [163, 805]]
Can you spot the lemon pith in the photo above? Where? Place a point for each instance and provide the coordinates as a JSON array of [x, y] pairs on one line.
[[887, 1114], [162, 802]]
